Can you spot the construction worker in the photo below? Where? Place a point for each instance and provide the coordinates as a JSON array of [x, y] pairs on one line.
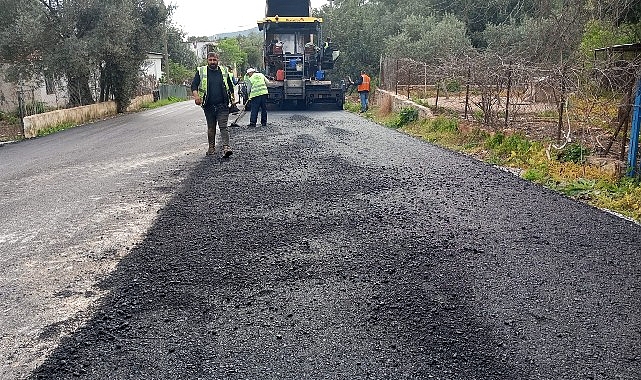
[[257, 89], [212, 88], [363, 90]]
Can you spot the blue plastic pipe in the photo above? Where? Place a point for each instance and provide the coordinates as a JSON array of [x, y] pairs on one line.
[[634, 134]]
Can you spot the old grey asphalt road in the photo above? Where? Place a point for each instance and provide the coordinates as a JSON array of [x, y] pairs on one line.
[[326, 247]]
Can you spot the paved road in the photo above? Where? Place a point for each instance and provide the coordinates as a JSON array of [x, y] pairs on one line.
[[326, 247]]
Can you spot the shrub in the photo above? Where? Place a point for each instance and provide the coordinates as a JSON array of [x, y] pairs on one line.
[[444, 124], [405, 116], [502, 144], [573, 153], [9, 118], [408, 115], [494, 141], [535, 175], [453, 86]]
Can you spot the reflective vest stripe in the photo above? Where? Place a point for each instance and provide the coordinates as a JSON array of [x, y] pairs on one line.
[[202, 71], [365, 85]]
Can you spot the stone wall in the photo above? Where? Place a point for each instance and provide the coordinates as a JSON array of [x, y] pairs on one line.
[[400, 101], [77, 115]]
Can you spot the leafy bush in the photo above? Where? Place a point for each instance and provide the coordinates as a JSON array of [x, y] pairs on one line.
[[444, 124], [9, 118], [405, 116], [453, 86], [502, 144], [534, 174], [352, 106], [573, 153], [408, 115], [34, 108], [494, 141], [512, 150]]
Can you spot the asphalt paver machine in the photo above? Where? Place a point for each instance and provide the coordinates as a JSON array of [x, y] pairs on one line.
[[296, 56]]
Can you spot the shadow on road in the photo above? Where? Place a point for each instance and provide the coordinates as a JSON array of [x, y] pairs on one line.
[[247, 276]]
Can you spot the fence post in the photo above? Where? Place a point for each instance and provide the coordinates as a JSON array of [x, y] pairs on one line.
[[408, 84], [561, 107], [21, 107], [507, 101], [396, 78], [425, 80], [467, 91]]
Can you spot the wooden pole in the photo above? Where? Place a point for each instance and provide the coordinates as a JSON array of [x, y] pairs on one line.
[[507, 101], [467, 91]]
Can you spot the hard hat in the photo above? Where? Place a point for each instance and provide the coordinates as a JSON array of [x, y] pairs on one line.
[[251, 70]]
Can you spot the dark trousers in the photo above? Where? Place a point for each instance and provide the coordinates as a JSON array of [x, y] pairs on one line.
[[220, 116], [258, 103]]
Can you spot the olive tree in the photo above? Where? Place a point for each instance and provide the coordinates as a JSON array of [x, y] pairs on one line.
[[77, 38]]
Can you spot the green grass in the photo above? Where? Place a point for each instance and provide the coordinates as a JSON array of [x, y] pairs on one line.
[[55, 128], [160, 103]]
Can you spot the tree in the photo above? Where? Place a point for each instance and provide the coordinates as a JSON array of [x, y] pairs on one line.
[[178, 74], [231, 53], [358, 29], [252, 46], [178, 50], [21, 25], [427, 39], [76, 38]]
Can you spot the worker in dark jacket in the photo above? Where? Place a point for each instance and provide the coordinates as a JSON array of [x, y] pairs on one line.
[[212, 89]]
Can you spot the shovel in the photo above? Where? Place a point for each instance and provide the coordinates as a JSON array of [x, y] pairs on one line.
[[240, 114]]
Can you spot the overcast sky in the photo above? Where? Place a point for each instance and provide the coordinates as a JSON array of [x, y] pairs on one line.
[[206, 18]]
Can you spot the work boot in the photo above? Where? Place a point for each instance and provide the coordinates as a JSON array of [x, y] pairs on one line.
[[227, 151], [212, 149]]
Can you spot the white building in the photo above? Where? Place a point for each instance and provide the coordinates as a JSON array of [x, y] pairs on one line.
[[36, 92], [201, 48], [152, 67], [52, 94]]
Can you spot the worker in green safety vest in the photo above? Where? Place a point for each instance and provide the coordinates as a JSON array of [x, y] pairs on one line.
[[257, 89], [212, 88]]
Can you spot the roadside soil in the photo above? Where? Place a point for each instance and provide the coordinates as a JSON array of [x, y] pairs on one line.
[[9, 131]]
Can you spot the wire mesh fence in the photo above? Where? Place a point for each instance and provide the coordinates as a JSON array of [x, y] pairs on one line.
[[561, 101], [166, 91]]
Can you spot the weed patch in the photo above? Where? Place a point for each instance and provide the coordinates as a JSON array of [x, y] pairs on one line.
[[55, 128], [160, 103]]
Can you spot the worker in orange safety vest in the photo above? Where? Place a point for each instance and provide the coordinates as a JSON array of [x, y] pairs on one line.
[[363, 90]]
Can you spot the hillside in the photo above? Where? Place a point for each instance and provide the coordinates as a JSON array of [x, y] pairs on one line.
[[235, 34]]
